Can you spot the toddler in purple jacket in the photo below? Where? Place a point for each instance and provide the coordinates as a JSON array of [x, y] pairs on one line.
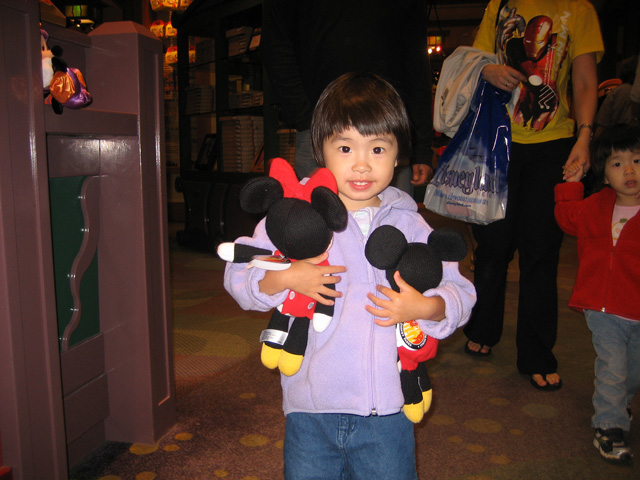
[[343, 407]]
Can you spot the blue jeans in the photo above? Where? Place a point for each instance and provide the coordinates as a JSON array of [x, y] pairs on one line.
[[617, 368], [327, 446]]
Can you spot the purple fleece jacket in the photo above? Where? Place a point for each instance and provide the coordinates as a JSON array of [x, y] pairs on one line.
[[351, 367]]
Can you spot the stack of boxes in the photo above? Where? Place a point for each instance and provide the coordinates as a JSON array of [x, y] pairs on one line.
[[287, 144], [241, 140], [239, 39], [245, 99], [205, 51], [200, 99]]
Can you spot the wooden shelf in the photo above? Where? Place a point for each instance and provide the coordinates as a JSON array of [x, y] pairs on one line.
[[90, 122]]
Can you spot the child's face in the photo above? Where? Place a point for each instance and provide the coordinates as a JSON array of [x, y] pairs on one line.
[[622, 173], [363, 166]]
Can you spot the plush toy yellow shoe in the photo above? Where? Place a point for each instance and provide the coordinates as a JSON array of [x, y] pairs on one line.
[[270, 356], [414, 412], [426, 400], [289, 363]]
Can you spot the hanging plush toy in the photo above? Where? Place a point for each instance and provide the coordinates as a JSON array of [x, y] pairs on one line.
[[300, 222], [420, 265], [68, 87], [63, 86]]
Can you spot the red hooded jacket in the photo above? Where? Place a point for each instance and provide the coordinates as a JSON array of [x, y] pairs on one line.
[[608, 276]]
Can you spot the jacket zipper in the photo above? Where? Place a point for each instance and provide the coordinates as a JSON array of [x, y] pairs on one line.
[[374, 411], [375, 223], [372, 275], [604, 307]]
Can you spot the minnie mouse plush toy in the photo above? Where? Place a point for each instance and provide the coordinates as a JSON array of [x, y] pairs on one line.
[[300, 221]]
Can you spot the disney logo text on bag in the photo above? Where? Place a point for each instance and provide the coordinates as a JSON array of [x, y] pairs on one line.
[[467, 181], [470, 182]]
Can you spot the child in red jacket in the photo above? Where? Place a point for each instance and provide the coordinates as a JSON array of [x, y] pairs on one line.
[[607, 225]]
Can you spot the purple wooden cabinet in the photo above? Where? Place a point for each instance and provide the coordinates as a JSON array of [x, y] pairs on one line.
[[57, 405]]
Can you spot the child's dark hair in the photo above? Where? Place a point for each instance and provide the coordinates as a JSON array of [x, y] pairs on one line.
[[365, 102], [617, 138], [628, 69]]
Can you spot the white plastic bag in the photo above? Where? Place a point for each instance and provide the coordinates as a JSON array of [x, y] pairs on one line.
[[470, 182]]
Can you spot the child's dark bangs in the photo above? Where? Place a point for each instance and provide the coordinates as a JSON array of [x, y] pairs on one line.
[[368, 118]]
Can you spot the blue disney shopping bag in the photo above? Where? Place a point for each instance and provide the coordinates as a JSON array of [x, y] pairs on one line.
[[470, 181]]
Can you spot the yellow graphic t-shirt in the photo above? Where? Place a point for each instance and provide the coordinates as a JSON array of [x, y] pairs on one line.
[[540, 39]]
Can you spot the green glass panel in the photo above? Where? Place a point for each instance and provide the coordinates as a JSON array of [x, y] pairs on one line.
[[67, 223]]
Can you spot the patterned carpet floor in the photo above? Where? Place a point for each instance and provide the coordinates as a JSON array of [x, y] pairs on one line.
[[486, 423]]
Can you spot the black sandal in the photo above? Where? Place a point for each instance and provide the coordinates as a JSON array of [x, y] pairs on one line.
[[479, 353], [549, 387]]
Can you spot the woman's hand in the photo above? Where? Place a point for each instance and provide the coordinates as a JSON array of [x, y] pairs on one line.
[[579, 155], [503, 77], [421, 173]]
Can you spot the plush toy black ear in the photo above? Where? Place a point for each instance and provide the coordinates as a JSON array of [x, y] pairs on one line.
[[259, 194], [329, 205], [385, 247], [449, 244], [58, 64]]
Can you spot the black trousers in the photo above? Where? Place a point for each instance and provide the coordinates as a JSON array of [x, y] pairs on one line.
[[529, 226]]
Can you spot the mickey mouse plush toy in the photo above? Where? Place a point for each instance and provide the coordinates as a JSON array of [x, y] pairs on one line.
[[300, 222], [420, 265]]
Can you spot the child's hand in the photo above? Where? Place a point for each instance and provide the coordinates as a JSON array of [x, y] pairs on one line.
[[305, 277], [404, 306], [574, 172]]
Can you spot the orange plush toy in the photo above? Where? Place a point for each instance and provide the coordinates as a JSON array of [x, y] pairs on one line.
[[67, 86]]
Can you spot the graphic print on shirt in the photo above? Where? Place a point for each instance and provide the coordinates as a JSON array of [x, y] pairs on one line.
[[532, 47], [616, 228]]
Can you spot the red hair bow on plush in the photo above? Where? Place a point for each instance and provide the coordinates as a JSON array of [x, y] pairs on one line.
[[282, 171]]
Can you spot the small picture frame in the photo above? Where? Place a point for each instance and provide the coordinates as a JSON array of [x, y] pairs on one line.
[[255, 39], [208, 153]]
